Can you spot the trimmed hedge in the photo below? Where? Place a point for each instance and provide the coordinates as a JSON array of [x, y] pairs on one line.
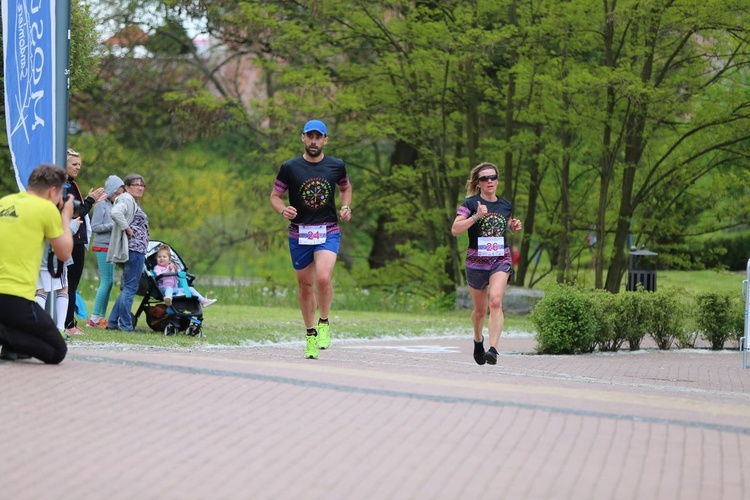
[[667, 324], [570, 320], [716, 318], [564, 321]]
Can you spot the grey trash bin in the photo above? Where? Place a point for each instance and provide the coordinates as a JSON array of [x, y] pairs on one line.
[[641, 269]]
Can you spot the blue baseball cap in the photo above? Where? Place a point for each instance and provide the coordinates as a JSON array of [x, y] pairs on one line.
[[315, 125]]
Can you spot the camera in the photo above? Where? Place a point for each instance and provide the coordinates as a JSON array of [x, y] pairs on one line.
[[76, 203]]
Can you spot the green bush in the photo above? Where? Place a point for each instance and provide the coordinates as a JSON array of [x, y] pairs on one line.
[[733, 254], [604, 312], [667, 322], [726, 250], [714, 318], [632, 316], [564, 321]]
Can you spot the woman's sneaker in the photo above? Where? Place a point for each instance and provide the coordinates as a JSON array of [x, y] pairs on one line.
[[101, 323], [74, 331], [491, 356], [479, 351]]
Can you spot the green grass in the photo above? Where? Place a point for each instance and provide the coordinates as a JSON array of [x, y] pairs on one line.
[[694, 282], [235, 325], [258, 314]]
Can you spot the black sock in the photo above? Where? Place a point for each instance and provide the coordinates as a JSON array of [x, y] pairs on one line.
[[312, 331], [323, 321]]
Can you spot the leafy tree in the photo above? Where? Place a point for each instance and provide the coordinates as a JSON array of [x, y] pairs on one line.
[[83, 63], [614, 114]]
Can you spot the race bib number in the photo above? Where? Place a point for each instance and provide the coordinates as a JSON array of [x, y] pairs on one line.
[[493, 246], [312, 235]]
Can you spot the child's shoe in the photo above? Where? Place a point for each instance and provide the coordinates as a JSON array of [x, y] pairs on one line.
[[168, 301], [208, 302], [74, 331]]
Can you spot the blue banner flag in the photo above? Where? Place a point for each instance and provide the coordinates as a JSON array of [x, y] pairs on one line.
[[30, 81]]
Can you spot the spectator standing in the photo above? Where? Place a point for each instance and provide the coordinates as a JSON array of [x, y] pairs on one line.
[[127, 245], [53, 277], [80, 238], [101, 226]]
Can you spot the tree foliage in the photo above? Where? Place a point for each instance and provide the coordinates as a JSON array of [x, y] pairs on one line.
[[630, 117], [83, 67], [597, 113]]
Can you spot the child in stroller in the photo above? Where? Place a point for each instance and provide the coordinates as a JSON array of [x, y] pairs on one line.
[[184, 313], [167, 277]]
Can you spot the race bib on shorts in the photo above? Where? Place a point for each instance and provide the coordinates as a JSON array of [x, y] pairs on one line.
[[312, 235], [493, 246]]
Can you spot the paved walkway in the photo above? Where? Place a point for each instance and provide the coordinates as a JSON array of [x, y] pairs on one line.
[[400, 419]]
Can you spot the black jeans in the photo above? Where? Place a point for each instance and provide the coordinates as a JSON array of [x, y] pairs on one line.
[[26, 328], [75, 270]]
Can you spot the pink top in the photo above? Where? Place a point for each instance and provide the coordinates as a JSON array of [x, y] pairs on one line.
[[167, 281]]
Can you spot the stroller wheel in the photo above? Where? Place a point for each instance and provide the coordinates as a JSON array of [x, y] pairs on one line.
[[170, 329], [195, 331]]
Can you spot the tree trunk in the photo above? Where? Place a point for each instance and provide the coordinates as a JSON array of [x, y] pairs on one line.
[[384, 242], [510, 124], [529, 218], [607, 161]]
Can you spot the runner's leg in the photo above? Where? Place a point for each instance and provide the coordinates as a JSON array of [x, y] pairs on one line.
[[498, 282], [325, 261]]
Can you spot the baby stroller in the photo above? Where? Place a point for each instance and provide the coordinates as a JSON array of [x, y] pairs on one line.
[[185, 315]]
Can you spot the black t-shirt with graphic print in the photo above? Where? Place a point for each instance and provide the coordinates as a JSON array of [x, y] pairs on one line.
[[494, 223], [312, 188]]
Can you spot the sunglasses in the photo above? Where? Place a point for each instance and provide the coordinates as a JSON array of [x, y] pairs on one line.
[[486, 178]]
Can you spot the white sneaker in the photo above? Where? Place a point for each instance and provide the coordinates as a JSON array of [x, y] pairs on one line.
[[168, 301], [208, 302]]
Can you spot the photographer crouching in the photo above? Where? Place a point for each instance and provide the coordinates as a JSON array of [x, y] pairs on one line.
[[26, 219]]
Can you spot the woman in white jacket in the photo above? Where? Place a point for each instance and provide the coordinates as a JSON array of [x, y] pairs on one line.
[[127, 246]]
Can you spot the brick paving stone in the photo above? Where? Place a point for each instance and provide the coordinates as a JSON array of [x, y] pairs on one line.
[[405, 418]]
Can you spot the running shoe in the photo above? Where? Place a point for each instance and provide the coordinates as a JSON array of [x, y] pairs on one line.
[[96, 324], [74, 331], [479, 351], [64, 334], [208, 302], [324, 335], [311, 348], [491, 356]]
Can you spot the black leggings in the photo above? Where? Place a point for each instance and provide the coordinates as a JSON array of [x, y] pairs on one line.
[[75, 270], [26, 328]]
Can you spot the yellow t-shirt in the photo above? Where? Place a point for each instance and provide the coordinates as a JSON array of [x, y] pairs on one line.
[[25, 221]]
